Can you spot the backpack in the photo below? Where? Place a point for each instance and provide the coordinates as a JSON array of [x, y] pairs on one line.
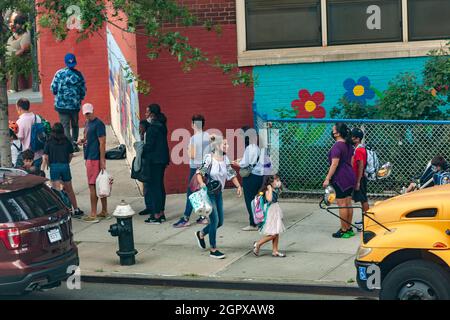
[[258, 209], [39, 134], [373, 165], [117, 153], [441, 178], [19, 160]]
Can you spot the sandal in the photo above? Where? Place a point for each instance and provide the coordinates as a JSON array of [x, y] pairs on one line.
[[278, 255], [255, 249]]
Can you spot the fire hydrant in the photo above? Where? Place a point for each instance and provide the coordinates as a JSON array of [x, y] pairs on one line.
[[124, 230]]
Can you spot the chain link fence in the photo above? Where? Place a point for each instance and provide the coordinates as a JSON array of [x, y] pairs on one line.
[[299, 150]]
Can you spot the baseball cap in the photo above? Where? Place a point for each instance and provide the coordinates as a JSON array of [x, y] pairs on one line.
[[357, 133], [88, 108], [70, 60]]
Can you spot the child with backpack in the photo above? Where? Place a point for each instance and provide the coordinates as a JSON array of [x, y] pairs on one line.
[[359, 164], [272, 225], [29, 164], [16, 147]]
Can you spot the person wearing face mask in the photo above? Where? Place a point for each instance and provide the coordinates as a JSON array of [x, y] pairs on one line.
[[156, 154], [272, 225], [216, 168], [341, 176], [437, 165], [17, 51]]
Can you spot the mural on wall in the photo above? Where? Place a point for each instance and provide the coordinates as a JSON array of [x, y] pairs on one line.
[[358, 91], [312, 90], [123, 95], [309, 106]]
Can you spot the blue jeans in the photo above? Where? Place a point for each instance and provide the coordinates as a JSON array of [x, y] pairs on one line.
[[188, 210], [215, 219]]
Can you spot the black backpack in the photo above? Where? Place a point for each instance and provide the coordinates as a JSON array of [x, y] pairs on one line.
[[117, 153]]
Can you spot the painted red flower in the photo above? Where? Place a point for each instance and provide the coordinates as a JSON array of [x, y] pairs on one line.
[[309, 106]]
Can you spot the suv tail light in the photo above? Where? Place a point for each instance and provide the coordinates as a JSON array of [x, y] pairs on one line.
[[10, 238]]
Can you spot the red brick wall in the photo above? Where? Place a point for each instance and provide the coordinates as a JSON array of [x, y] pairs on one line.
[[92, 62], [219, 11], [204, 90]]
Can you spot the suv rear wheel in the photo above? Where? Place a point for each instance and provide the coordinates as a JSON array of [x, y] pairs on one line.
[[416, 280]]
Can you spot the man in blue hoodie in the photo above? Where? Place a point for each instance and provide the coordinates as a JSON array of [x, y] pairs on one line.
[[69, 89]]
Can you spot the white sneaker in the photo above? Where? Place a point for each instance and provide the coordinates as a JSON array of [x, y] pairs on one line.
[[250, 228]]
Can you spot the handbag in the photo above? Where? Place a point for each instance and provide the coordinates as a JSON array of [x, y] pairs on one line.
[[194, 185], [246, 171], [200, 202]]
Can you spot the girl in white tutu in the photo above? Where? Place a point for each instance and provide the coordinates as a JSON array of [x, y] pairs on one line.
[[273, 221]]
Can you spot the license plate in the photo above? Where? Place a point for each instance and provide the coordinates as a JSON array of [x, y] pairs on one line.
[[54, 235], [362, 271]]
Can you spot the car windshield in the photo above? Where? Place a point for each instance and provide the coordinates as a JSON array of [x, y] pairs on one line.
[[27, 204]]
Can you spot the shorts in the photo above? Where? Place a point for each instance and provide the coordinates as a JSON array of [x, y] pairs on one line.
[[92, 171], [342, 194], [60, 172], [361, 194]]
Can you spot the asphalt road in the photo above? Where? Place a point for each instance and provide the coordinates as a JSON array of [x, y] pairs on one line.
[[96, 291]]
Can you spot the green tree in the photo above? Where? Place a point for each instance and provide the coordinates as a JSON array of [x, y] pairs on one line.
[[353, 110], [437, 71], [143, 17], [406, 99]]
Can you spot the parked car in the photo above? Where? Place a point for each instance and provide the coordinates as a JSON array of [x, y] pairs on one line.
[[410, 250], [36, 240]]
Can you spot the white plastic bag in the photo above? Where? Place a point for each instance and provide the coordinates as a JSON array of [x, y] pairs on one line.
[[103, 184], [200, 202]]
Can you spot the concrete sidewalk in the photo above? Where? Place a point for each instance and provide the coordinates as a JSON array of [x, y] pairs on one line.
[[313, 256]]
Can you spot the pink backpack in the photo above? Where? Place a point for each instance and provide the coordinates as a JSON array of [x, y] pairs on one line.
[[258, 209]]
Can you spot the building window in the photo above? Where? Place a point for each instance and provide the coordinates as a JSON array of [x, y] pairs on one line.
[[364, 21], [428, 19], [272, 24]]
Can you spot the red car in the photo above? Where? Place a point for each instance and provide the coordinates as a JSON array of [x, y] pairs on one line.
[[37, 250]]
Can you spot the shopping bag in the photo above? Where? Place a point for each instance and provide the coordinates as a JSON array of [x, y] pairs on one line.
[[103, 184], [200, 202]]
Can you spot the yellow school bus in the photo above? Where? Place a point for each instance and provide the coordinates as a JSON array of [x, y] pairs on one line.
[[405, 246]]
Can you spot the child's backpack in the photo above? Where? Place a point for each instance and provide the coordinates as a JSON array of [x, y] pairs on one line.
[[19, 160], [441, 178], [39, 134], [373, 165], [258, 209]]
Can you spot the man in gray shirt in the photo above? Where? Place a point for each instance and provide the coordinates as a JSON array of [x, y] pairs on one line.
[[198, 147]]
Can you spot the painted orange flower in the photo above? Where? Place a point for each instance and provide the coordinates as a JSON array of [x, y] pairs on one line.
[[309, 106]]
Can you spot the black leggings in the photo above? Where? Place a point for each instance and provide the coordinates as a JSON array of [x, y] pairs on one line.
[[251, 185], [155, 193]]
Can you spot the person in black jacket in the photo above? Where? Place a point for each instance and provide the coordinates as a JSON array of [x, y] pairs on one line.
[[156, 154]]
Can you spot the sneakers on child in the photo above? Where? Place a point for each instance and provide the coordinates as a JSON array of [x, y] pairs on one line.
[[181, 223], [202, 220], [216, 254]]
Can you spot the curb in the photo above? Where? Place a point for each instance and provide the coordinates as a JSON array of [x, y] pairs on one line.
[[231, 285]]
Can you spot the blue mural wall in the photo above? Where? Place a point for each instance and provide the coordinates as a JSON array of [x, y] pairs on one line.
[[313, 89]]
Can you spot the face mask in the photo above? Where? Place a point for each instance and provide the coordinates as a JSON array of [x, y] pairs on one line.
[[332, 135]]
